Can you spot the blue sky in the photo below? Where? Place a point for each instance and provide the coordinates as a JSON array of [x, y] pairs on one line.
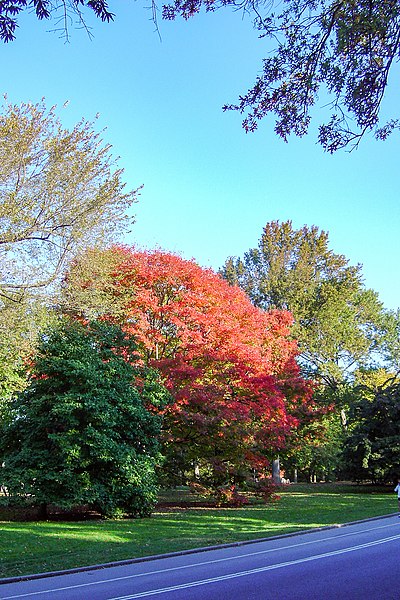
[[208, 187]]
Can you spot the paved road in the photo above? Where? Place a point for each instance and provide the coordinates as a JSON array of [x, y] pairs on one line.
[[360, 561]]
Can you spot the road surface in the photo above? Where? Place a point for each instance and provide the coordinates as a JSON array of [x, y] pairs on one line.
[[359, 561]]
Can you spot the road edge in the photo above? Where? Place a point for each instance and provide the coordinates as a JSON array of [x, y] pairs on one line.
[[130, 561]]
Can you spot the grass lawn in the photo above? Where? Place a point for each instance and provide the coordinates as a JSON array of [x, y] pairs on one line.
[[33, 547]]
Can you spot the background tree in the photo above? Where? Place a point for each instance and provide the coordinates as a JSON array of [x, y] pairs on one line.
[[20, 323], [338, 323], [84, 431], [229, 366], [391, 341], [372, 450], [315, 450], [91, 285]]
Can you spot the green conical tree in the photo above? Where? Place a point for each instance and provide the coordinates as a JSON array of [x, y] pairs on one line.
[[85, 430]]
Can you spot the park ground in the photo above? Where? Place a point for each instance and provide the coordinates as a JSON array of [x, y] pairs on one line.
[[180, 522]]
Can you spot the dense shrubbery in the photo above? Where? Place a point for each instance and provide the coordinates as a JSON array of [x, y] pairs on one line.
[[372, 450]]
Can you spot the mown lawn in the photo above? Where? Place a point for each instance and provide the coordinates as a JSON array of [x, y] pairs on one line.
[[33, 547]]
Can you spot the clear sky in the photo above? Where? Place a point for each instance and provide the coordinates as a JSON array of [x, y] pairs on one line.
[[208, 187]]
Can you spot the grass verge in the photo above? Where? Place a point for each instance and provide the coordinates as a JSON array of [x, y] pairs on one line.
[[33, 547]]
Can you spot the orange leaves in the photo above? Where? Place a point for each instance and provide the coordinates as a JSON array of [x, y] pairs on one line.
[[229, 366], [178, 306]]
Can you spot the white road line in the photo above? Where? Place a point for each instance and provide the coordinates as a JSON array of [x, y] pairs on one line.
[[198, 564], [184, 586]]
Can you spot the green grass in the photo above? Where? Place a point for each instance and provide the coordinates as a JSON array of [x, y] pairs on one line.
[[33, 547]]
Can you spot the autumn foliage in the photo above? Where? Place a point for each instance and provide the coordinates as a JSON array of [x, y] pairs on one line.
[[230, 367]]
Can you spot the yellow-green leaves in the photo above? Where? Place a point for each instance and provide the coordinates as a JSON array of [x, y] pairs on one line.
[[60, 190]]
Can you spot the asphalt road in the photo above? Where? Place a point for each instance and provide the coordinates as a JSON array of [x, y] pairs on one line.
[[359, 561]]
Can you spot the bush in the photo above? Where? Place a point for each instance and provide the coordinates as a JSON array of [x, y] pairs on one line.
[[266, 490], [229, 496]]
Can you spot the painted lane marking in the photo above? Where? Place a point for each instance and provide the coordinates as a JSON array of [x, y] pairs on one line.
[[192, 584], [198, 564]]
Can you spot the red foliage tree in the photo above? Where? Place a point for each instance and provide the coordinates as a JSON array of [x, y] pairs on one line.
[[230, 366], [178, 306]]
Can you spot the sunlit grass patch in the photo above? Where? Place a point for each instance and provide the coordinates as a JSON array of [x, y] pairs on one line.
[[43, 546]]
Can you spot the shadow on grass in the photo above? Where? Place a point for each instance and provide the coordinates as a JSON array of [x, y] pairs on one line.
[[38, 547], [31, 547]]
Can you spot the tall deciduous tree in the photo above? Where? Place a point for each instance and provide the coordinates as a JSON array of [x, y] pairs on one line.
[[60, 190], [84, 431], [337, 321], [230, 366]]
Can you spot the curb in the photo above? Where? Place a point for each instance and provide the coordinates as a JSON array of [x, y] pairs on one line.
[[131, 561]]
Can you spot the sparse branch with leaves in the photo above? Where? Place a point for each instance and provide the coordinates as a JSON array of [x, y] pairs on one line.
[[344, 49], [60, 190], [338, 53], [64, 10]]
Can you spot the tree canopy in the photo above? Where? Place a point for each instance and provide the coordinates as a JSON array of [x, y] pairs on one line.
[[85, 429], [60, 190]]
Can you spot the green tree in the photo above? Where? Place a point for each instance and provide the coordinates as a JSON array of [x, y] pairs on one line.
[[85, 429], [372, 450], [338, 322]]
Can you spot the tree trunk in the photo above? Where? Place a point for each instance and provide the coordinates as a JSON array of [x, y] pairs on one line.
[[276, 471], [43, 514]]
